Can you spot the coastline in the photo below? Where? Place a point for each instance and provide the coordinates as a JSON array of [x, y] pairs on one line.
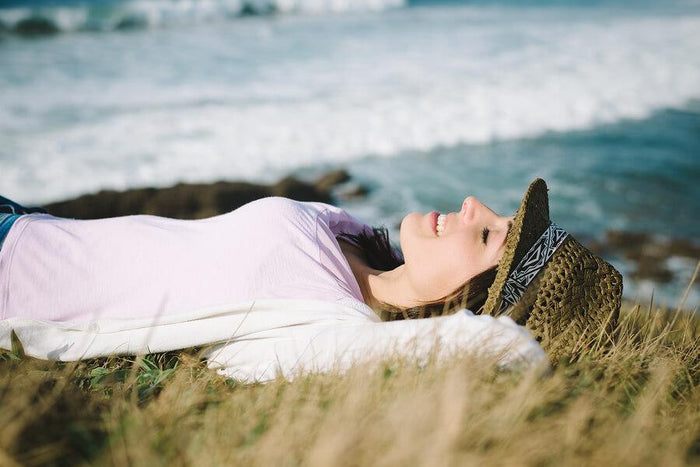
[[198, 200]]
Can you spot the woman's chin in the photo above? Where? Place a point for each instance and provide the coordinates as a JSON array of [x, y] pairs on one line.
[[408, 228]]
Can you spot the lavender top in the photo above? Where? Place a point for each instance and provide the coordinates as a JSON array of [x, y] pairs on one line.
[[58, 269]]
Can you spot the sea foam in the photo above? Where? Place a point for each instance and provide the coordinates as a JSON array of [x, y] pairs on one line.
[[263, 98], [36, 18]]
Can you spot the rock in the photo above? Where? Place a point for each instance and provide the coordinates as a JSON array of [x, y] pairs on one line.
[[290, 187], [621, 238], [631, 244], [684, 247], [248, 10], [653, 269], [35, 26], [331, 179], [649, 254], [228, 196], [184, 200], [256, 9], [106, 203], [339, 183], [637, 245], [351, 190], [130, 23]]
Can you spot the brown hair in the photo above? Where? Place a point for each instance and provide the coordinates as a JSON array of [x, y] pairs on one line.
[[379, 254]]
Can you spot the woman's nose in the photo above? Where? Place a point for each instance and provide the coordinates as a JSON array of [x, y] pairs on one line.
[[472, 207], [466, 202]]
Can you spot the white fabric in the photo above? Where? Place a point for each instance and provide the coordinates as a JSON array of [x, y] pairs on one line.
[[260, 340]]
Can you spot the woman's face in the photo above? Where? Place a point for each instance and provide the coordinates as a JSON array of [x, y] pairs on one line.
[[442, 251]]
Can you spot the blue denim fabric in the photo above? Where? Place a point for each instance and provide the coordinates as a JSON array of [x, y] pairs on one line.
[[8, 206], [9, 213], [6, 221]]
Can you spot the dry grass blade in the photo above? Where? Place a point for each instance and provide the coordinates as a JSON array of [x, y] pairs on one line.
[[633, 402]]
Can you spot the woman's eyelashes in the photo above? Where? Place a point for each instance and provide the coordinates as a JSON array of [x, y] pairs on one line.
[[485, 235]]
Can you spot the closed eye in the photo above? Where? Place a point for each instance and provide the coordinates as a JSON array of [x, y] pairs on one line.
[[485, 235]]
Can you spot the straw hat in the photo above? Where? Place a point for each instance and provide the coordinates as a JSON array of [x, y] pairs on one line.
[[564, 294]]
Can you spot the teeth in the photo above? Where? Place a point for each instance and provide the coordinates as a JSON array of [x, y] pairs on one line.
[[441, 224]]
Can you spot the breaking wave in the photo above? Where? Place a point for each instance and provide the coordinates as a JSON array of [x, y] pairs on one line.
[[52, 17]]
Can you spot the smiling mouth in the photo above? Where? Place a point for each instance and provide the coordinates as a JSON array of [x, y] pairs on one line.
[[440, 224]]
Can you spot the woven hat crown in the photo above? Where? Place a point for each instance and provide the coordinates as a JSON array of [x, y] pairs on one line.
[[574, 298]]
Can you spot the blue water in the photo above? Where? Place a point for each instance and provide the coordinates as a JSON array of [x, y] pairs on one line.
[[632, 175], [423, 101]]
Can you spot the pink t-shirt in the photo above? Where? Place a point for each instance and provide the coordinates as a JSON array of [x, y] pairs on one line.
[[60, 269]]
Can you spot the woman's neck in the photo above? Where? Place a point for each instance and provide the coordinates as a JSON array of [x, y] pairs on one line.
[[377, 286]]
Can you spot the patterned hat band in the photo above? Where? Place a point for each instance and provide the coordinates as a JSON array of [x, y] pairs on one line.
[[528, 267]]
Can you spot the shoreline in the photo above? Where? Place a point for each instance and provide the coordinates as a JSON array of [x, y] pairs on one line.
[[200, 200]]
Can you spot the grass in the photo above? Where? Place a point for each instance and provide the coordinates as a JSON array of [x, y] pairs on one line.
[[634, 403]]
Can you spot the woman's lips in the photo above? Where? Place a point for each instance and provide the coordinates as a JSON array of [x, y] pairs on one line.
[[433, 216], [437, 222], [441, 224]]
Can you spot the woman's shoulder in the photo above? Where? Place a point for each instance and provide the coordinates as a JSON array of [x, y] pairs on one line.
[[279, 214], [275, 209], [282, 206], [277, 205]]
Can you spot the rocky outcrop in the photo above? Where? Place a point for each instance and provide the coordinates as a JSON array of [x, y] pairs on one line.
[[193, 201], [36, 26], [649, 254]]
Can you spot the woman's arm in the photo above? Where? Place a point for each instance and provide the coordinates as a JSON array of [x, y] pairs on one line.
[[337, 346]]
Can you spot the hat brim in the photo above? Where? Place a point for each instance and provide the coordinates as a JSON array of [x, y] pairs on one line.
[[531, 220]]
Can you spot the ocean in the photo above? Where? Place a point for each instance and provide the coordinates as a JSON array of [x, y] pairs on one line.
[[424, 102]]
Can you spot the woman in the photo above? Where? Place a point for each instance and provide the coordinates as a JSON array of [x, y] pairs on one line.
[[278, 286]]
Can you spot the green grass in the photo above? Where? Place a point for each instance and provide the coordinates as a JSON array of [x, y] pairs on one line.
[[634, 403]]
